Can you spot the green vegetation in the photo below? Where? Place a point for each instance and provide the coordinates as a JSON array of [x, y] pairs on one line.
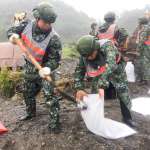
[[69, 51], [70, 23], [8, 81]]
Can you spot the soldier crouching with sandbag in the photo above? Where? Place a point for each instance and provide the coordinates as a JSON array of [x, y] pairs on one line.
[[102, 61]]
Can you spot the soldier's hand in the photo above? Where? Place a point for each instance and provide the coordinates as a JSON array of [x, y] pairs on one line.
[[13, 38], [101, 93], [45, 71], [80, 94]]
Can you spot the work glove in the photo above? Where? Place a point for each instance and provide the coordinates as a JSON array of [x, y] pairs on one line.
[[13, 38], [79, 98], [45, 71], [80, 94], [101, 93]]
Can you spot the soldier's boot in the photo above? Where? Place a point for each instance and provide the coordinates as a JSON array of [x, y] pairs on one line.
[[56, 129], [30, 112], [127, 118], [54, 124]]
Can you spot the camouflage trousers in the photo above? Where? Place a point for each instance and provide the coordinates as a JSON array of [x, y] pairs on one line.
[[32, 85], [145, 62], [119, 81], [138, 69]]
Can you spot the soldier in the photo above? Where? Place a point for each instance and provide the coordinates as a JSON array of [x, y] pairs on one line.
[[144, 49], [141, 49], [109, 30], [44, 44], [101, 61], [93, 31]]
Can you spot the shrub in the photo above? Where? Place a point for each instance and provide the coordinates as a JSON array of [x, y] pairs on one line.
[[8, 82]]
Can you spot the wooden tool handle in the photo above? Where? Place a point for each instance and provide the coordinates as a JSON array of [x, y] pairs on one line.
[[33, 60]]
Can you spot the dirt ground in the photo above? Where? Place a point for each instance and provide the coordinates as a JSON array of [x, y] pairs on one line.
[[34, 135]]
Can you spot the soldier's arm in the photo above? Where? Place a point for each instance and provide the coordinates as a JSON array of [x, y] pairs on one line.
[[143, 36], [17, 29], [53, 53], [79, 75], [121, 35], [142, 39], [110, 52]]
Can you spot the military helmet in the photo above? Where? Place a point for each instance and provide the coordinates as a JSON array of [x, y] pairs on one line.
[[109, 17], [45, 12], [143, 20], [87, 44]]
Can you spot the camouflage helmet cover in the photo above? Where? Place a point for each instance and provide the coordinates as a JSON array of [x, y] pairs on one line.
[[45, 12], [87, 44]]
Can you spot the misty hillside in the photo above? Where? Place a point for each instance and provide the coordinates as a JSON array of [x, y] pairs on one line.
[[129, 19], [70, 23]]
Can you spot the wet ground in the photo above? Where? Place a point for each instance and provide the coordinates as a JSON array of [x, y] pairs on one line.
[[34, 135]]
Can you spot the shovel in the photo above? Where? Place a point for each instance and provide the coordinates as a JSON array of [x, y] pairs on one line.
[[38, 66]]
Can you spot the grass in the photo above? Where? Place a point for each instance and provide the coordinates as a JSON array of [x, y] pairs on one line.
[[8, 81], [69, 51]]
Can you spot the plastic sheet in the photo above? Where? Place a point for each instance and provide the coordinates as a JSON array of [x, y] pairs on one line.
[[95, 121], [141, 105]]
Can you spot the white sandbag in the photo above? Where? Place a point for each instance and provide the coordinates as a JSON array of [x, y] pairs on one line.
[[94, 119], [141, 105], [130, 72]]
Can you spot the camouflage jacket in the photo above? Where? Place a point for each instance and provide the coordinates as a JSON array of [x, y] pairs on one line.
[[106, 57], [120, 33], [53, 51], [144, 35]]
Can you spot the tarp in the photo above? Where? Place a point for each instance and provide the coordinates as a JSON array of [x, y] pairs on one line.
[[95, 121], [141, 105], [3, 129]]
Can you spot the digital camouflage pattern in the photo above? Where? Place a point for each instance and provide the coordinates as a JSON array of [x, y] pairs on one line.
[[32, 85], [144, 51], [114, 73], [120, 35], [32, 82]]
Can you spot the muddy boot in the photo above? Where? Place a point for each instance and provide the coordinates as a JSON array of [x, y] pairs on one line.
[[127, 118], [27, 117], [55, 130], [31, 112], [129, 122], [54, 124]]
